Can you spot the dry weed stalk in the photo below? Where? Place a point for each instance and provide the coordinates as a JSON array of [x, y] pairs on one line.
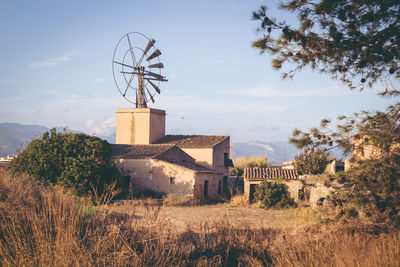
[[107, 194]]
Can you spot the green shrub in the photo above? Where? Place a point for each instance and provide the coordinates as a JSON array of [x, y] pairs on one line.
[[77, 161], [311, 161], [273, 195]]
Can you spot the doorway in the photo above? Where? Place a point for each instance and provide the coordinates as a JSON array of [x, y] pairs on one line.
[[225, 184], [205, 189], [252, 190]]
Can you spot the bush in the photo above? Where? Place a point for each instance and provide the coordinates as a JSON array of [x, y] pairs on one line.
[[372, 187], [77, 161], [311, 161], [273, 195]]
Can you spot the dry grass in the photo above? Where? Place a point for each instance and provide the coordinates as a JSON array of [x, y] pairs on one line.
[[241, 201], [43, 227], [245, 162], [238, 200], [176, 200], [337, 247]]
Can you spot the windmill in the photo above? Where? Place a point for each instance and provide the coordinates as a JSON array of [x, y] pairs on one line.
[[137, 68]]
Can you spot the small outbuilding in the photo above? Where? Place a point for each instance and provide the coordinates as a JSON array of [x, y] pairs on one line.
[[254, 176]]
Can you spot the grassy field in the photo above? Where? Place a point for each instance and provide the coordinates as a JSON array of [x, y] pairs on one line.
[[194, 217], [51, 227]]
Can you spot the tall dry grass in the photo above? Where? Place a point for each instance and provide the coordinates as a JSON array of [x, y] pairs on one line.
[[48, 227], [338, 247], [254, 161]]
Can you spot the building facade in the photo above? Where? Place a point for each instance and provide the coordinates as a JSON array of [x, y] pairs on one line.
[[187, 165], [254, 176]]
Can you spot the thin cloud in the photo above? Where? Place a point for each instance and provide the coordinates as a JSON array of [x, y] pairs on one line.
[[52, 61], [191, 104], [276, 91], [104, 128]]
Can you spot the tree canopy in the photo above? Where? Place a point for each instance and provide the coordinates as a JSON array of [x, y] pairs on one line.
[[372, 184], [77, 161], [378, 129], [356, 41], [311, 161]]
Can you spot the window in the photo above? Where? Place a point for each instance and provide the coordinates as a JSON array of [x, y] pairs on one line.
[[172, 180], [227, 161]]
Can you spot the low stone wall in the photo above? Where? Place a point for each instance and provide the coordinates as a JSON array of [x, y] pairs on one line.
[[316, 192], [4, 165]]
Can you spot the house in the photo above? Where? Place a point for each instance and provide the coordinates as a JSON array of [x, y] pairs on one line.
[[364, 149], [7, 159], [254, 176], [189, 165], [287, 165]]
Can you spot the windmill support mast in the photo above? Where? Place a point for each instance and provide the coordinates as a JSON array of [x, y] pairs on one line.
[[140, 101]]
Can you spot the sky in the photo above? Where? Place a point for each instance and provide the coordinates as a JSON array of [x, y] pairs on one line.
[[56, 69]]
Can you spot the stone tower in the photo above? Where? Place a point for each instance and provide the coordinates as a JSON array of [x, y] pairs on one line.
[[139, 126]]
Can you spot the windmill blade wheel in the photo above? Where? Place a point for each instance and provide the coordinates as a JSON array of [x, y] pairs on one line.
[[132, 73]]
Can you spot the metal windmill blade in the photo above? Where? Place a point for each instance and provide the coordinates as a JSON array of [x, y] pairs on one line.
[[132, 74]]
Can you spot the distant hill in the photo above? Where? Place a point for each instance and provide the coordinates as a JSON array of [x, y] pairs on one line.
[[15, 135], [277, 152]]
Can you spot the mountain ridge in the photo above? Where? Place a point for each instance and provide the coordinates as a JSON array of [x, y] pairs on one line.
[[15, 135]]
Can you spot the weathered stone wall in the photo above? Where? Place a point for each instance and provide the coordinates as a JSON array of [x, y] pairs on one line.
[[317, 187], [213, 179], [203, 156], [212, 158], [156, 175], [316, 192], [218, 160]]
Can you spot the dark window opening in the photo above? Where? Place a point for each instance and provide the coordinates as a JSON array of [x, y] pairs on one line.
[[172, 180], [227, 161]]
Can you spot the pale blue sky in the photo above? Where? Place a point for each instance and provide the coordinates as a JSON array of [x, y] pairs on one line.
[[55, 69]]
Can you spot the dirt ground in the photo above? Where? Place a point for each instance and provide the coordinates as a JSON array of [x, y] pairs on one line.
[[197, 217]]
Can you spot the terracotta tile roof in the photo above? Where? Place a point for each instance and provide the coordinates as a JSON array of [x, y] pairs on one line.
[[269, 173], [139, 151], [192, 166], [192, 141]]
